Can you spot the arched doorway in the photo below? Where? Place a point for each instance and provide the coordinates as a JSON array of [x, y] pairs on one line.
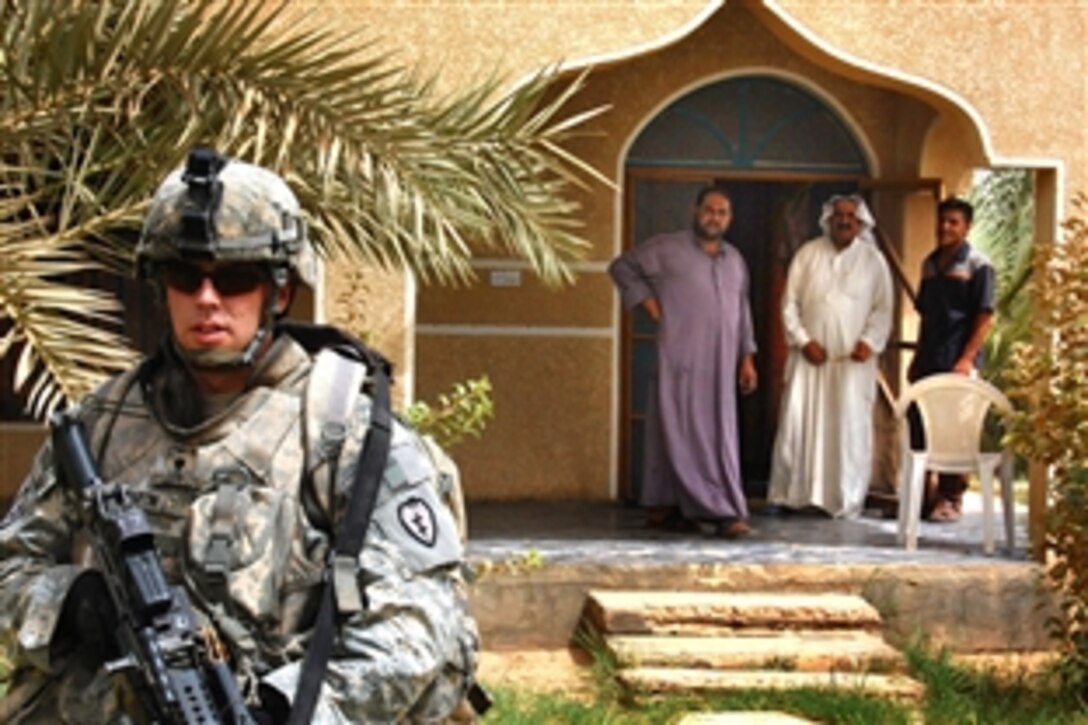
[[781, 152]]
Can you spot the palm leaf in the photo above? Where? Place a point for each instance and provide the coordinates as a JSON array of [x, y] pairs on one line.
[[51, 320], [99, 99], [1004, 230]]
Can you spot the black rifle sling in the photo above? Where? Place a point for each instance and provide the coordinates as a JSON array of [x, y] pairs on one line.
[[349, 541]]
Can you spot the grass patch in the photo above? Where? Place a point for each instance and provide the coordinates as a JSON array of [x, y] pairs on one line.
[[517, 708], [603, 671], [958, 694], [516, 564], [954, 694]]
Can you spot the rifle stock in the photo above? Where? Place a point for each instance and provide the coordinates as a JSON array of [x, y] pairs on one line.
[[178, 675]]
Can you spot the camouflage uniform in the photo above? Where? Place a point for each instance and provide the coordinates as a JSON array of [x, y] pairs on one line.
[[235, 483]]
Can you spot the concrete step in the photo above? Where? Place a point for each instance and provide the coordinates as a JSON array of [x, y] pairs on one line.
[[686, 641], [806, 651], [661, 680], [710, 613]]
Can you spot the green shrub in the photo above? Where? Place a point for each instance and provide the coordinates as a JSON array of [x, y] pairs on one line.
[[1048, 379], [462, 412]]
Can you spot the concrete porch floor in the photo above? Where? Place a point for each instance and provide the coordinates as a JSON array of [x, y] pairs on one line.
[[593, 532], [536, 561]]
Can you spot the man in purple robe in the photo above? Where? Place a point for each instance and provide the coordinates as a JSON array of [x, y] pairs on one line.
[[695, 285]]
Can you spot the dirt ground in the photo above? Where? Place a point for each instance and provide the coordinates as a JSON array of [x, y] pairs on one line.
[[563, 670]]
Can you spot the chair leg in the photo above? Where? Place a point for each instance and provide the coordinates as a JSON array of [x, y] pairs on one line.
[[910, 515], [986, 474], [905, 499], [1008, 504]]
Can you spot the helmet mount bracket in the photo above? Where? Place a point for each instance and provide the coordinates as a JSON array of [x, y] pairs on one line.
[[205, 193]]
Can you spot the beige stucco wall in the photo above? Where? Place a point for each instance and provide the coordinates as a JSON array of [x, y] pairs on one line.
[[467, 40], [935, 89], [1020, 66], [370, 303], [732, 42], [550, 435]]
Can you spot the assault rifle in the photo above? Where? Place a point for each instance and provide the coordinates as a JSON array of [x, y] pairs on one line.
[[178, 671]]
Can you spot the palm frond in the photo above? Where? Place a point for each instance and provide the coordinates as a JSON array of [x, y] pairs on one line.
[[1004, 230], [99, 99], [65, 337]]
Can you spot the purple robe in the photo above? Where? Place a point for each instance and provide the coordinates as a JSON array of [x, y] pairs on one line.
[[691, 454]]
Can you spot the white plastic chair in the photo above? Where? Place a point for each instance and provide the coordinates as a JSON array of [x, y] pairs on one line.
[[953, 409]]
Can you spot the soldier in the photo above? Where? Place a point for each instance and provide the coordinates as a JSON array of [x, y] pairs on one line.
[[209, 437]]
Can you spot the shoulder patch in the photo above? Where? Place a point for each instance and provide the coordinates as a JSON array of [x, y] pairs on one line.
[[410, 512], [417, 518], [415, 521]]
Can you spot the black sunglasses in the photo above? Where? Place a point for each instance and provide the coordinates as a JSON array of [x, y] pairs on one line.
[[233, 279]]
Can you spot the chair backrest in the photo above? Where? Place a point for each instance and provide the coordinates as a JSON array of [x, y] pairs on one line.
[[953, 409]]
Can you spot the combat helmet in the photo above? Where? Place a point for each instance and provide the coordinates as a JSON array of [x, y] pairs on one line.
[[220, 209]]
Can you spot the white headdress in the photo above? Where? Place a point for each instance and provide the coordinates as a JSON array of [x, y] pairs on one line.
[[861, 211]]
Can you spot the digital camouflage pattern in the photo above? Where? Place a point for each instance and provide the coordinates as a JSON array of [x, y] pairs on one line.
[[257, 219], [408, 657]]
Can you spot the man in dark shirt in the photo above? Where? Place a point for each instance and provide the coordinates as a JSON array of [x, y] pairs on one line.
[[956, 305]]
